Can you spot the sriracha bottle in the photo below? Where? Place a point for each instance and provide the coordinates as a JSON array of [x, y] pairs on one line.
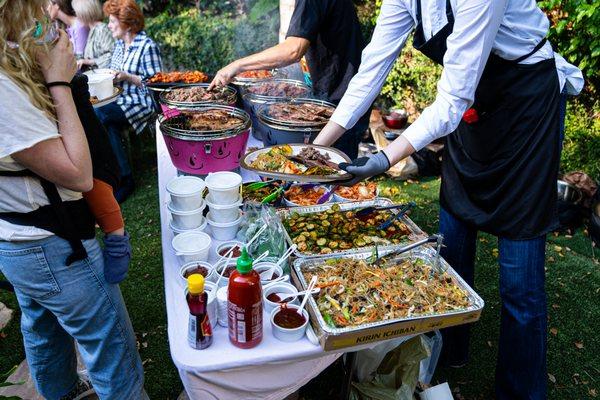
[[199, 329], [244, 305]]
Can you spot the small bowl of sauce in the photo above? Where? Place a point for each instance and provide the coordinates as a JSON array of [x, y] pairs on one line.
[[229, 268], [273, 294], [265, 266], [287, 324], [197, 267], [222, 249]]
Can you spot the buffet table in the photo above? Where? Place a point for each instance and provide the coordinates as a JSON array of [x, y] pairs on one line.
[[272, 370]]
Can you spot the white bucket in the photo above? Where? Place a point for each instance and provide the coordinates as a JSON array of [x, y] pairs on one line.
[[186, 192], [224, 213], [177, 231], [187, 219], [224, 230], [191, 246], [224, 187], [101, 85]]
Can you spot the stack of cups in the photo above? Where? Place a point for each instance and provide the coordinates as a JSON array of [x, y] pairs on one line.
[[186, 205], [224, 201], [222, 306]]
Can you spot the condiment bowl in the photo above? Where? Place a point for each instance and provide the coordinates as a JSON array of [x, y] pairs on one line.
[[219, 267], [187, 219], [186, 192], [210, 271], [278, 287], [227, 245], [287, 334], [265, 265], [191, 246]]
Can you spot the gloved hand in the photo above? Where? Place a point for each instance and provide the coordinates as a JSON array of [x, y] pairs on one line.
[[117, 254], [365, 167]]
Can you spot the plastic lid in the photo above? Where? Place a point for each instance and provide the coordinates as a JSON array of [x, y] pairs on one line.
[[195, 284], [244, 262]]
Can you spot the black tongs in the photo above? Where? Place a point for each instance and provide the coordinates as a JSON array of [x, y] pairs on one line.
[[438, 239]]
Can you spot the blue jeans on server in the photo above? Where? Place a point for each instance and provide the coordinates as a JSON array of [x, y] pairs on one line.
[[521, 365], [114, 120], [61, 303]]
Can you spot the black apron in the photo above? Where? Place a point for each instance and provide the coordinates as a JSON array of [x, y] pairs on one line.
[[499, 172]]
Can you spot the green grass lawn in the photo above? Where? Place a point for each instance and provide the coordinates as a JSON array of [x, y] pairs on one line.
[[573, 287]]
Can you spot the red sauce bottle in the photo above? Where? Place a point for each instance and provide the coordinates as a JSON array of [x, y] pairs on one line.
[[199, 329], [244, 304]]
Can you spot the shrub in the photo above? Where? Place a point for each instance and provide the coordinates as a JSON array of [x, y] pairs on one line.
[[581, 149], [197, 40]]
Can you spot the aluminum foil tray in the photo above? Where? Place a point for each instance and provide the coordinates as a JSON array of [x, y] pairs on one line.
[[338, 338], [415, 232]]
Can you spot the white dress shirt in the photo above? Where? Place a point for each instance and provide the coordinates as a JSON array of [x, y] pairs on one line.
[[508, 28]]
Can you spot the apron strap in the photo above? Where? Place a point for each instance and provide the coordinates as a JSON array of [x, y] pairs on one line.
[[532, 52], [449, 13]]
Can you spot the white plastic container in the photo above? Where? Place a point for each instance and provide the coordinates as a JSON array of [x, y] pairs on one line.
[[100, 84], [187, 219], [222, 312], [224, 187], [265, 265], [226, 245], [209, 277], [186, 192], [191, 246], [177, 231], [279, 288], [285, 334], [219, 267], [224, 213], [224, 230]]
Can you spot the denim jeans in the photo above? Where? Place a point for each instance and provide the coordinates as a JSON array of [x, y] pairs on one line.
[[61, 303], [521, 364], [114, 120]]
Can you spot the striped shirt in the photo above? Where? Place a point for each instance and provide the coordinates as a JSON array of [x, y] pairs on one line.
[[142, 58], [100, 45]]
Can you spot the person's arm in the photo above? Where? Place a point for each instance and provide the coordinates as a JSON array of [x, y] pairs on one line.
[[288, 52], [394, 25], [64, 161], [475, 28]]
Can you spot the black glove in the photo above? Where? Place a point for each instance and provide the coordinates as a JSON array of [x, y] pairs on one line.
[[365, 167], [117, 254]]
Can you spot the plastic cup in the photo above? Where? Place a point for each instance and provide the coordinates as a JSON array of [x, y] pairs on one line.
[[186, 192], [187, 219], [224, 230], [191, 246], [177, 231], [224, 187], [224, 213]]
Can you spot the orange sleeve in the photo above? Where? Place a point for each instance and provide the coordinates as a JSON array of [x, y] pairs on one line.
[[104, 206]]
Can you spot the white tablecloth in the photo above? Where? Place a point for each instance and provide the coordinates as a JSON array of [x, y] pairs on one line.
[[271, 371]]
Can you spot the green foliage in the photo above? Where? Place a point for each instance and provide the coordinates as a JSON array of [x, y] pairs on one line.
[[575, 31], [207, 42], [581, 149]]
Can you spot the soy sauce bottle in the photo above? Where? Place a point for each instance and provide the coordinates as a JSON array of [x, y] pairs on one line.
[[244, 305], [199, 329]]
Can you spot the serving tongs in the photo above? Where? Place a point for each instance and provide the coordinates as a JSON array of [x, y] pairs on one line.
[[312, 163], [363, 212], [437, 239]]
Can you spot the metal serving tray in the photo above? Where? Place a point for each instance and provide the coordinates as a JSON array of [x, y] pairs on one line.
[[338, 338], [415, 232]]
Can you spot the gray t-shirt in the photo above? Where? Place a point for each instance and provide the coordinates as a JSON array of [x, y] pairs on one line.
[[22, 126]]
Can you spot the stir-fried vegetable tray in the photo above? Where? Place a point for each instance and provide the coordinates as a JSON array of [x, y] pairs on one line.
[[361, 302], [334, 228]]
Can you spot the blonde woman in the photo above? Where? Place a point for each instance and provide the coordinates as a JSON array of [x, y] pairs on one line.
[[47, 246], [100, 43]]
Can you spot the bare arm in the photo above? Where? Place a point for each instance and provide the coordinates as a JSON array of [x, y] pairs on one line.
[[65, 161], [281, 55]]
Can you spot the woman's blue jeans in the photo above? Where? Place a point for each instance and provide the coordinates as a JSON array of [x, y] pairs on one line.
[[114, 120], [60, 304], [521, 365]]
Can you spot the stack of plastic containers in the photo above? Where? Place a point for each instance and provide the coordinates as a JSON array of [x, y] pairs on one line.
[[224, 201]]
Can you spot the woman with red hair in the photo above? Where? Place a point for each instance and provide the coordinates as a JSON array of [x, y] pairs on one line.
[[135, 57]]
